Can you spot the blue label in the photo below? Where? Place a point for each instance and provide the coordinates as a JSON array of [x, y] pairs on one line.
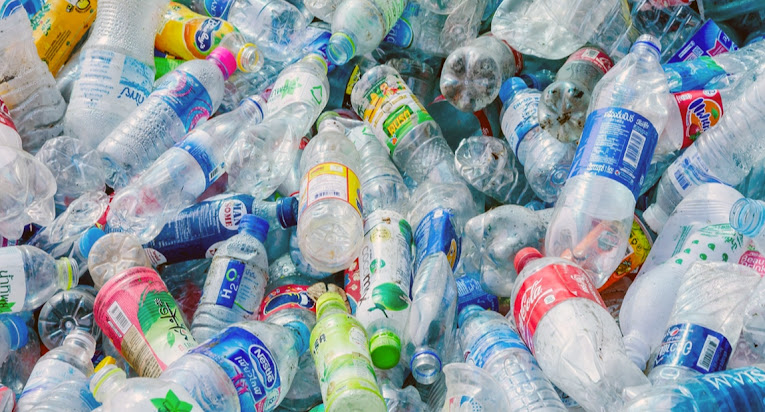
[[434, 234], [471, 293], [695, 347], [230, 286], [618, 144], [709, 40], [218, 8], [729, 391], [319, 45], [491, 343], [692, 75], [249, 364], [203, 38], [401, 34], [9, 7], [187, 96], [197, 145]]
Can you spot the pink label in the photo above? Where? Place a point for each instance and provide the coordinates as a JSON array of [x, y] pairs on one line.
[[5, 116], [594, 56], [700, 110], [286, 297], [754, 260], [135, 310], [546, 289]]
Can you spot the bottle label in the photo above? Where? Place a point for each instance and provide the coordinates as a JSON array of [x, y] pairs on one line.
[[714, 243], [330, 181], [13, 283], [689, 171], [9, 7], [187, 96], [58, 28], [547, 288], [638, 248], [137, 313], [47, 374], [160, 400], [385, 268], [111, 82], [618, 144], [5, 116], [391, 11], [520, 117], [286, 297], [753, 259], [401, 34], [319, 44], [352, 285], [231, 282], [250, 366], [297, 88], [436, 233], [709, 40], [692, 75], [188, 36], [470, 292], [197, 144], [598, 58], [694, 347], [218, 8], [392, 110], [352, 80], [492, 342], [732, 390], [699, 110]]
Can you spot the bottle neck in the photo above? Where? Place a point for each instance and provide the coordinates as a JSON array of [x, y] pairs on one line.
[[747, 216], [67, 270], [109, 384]]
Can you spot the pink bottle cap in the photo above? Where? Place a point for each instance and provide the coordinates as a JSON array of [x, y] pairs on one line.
[[525, 256], [225, 59]]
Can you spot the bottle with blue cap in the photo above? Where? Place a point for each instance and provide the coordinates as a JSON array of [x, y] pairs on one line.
[[358, 27], [546, 160], [29, 277], [13, 335], [594, 212]]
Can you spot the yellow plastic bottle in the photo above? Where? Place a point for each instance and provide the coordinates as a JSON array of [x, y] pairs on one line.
[[59, 26]]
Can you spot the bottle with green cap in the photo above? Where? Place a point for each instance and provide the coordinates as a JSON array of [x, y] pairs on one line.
[[343, 364], [29, 277]]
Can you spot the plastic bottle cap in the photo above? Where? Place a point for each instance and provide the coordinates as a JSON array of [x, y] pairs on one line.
[[287, 211], [89, 239], [655, 217], [226, 59], [510, 87], [17, 329], [107, 360], [326, 115], [385, 348], [525, 256], [255, 226]]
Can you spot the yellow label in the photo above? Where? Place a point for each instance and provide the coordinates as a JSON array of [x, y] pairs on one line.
[[330, 181], [355, 76], [58, 27], [188, 35], [637, 251]]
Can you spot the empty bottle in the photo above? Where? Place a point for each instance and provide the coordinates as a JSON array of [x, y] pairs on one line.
[[115, 392], [322, 9], [72, 396], [113, 254], [66, 312], [30, 277], [358, 26], [271, 24], [593, 214], [418, 31], [28, 190], [13, 335], [747, 216], [470, 388]]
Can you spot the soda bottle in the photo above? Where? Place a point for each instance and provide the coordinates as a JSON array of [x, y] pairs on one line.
[[115, 392], [358, 26]]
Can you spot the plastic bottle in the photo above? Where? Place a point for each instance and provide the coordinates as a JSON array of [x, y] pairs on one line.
[[470, 388], [563, 107], [473, 74], [340, 349], [565, 324], [116, 69], [186, 97], [490, 343], [747, 216], [322, 9], [181, 174], [418, 31], [27, 88], [358, 26], [28, 190], [66, 312], [30, 277], [13, 335], [115, 392], [593, 214], [71, 395], [270, 24], [58, 28], [112, 254], [546, 160]]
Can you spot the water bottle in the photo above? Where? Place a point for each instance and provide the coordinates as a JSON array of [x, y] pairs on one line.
[[68, 362], [463, 24], [112, 254], [185, 97], [593, 214], [72, 396], [563, 107], [469, 387], [115, 392], [271, 24], [30, 277], [13, 335], [581, 351], [473, 74], [546, 160], [490, 343], [28, 190], [181, 174], [418, 31], [27, 88], [358, 26], [747, 216], [116, 68], [340, 349], [322, 9], [66, 312]]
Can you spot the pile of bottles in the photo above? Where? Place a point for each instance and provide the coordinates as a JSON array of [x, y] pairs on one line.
[[382, 205]]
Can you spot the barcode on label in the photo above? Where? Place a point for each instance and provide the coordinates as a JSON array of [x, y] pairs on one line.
[[328, 193], [708, 352], [681, 179], [216, 172], [634, 149], [120, 319]]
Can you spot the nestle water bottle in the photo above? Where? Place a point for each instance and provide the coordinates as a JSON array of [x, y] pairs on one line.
[[66, 312], [358, 26], [185, 97], [593, 214], [563, 107], [563, 320], [181, 174], [490, 343], [78, 168], [116, 69], [28, 88], [28, 190], [113, 254], [473, 74], [115, 392], [30, 277], [546, 160], [13, 335]]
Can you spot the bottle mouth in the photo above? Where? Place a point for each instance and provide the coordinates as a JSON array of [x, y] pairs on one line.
[[747, 216], [68, 270], [425, 367], [341, 48]]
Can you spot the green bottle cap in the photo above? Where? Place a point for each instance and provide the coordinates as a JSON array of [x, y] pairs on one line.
[[385, 348]]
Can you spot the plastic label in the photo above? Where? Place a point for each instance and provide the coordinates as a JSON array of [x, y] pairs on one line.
[[436, 233], [618, 144], [598, 58], [297, 88], [9, 7], [189, 36], [689, 171], [231, 283], [520, 117], [401, 34], [187, 96], [197, 145], [58, 27], [714, 243], [638, 248], [470, 292], [352, 285], [5, 116], [699, 110], [250, 366], [330, 181], [13, 280], [753, 259], [229, 287], [218, 8], [286, 297], [694, 347], [492, 342], [391, 11], [730, 391], [709, 40], [545, 289], [692, 75]]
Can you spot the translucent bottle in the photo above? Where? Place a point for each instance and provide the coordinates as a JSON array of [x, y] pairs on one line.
[[13, 335], [70, 395], [77, 167], [270, 24], [112, 254], [418, 31], [30, 277], [594, 212], [358, 26], [115, 392], [66, 312], [28, 190]]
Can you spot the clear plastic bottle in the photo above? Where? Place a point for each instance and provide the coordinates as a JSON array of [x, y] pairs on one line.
[[115, 392], [358, 26], [30, 277], [66, 312], [323, 9], [747, 216], [186, 97], [594, 212], [490, 343], [13, 335], [28, 88], [546, 160], [473, 74], [470, 388], [27, 195], [563, 320], [78, 168], [71, 395], [116, 69], [236, 280], [271, 24], [418, 31], [114, 253]]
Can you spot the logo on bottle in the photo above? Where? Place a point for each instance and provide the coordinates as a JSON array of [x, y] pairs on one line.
[[703, 111], [231, 213], [203, 38]]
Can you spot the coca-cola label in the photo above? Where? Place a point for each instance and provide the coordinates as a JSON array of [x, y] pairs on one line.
[[699, 110], [546, 289], [5, 116], [597, 57]]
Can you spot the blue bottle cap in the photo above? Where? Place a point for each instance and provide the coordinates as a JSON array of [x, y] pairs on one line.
[[17, 329], [89, 239], [287, 211], [510, 87], [255, 226]]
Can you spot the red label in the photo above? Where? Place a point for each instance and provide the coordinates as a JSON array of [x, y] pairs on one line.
[[483, 120], [546, 289], [594, 56], [286, 297], [352, 285], [5, 116], [700, 110]]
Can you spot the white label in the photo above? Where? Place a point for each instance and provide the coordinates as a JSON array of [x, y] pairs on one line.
[[48, 373], [297, 88], [13, 280], [689, 171], [520, 117]]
